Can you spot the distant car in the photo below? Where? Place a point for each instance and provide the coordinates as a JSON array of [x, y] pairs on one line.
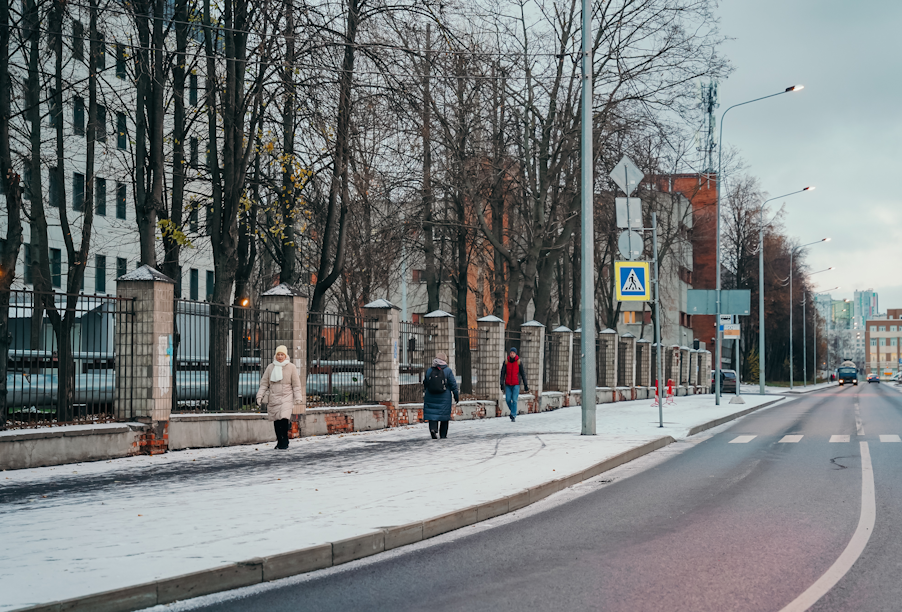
[[727, 383], [873, 378]]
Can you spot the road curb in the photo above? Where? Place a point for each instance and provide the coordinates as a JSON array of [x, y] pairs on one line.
[[732, 417], [283, 565]]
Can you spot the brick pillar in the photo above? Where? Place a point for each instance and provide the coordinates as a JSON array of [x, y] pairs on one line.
[[626, 356], [655, 375], [693, 367], [684, 365], [532, 352], [489, 357], [387, 382], [705, 369], [144, 377], [291, 331], [607, 358], [643, 363], [560, 362], [443, 339], [576, 379], [672, 364]]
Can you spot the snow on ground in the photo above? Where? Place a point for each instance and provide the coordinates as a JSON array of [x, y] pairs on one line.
[[747, 388], [84, 528]]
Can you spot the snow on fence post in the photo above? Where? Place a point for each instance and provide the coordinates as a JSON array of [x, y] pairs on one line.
[[291, 331], [443, 339], [387, 382], [607, 358], [532, 352], [150, 388], [489, 358]]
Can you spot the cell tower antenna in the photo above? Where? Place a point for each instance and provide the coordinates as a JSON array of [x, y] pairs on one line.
[[708, 104]]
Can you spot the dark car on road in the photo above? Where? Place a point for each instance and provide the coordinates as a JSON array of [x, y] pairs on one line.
[[873, 378], [727, 381]]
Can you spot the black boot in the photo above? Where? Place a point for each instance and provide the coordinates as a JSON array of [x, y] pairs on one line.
[[283, 439]]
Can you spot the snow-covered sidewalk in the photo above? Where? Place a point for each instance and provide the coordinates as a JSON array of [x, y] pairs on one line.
[[749, 389], [73, 530]]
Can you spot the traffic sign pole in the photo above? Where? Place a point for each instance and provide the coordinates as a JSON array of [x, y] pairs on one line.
[[654, 246], [587, 234]]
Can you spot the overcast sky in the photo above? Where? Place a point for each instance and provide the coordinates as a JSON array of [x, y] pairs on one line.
[[842, 133]]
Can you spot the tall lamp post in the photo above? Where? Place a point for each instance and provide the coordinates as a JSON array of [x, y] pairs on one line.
[[792, 300], [761, 286], [805, 335], [717, 337], [815, 329]]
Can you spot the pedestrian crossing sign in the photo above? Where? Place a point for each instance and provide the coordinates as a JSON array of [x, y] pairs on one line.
[[632, 281]]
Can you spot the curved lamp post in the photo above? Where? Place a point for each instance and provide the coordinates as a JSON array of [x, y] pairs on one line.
[[791, 255], [717, 337], [761, 286]]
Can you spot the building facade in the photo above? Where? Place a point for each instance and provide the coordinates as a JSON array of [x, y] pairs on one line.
[[883, 339]]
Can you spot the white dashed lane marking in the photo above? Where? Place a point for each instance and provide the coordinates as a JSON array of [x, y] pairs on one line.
[[891, 438], [840, 438], [742, 439], [791, 438]]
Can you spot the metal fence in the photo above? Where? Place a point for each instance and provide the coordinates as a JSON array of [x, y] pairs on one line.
[[219, 355], [62, 365], [417, 350], [557, 360], [466, 347], [512, 339], [341, 359]]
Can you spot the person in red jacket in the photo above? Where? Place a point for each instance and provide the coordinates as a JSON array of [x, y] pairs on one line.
[[512, 376]]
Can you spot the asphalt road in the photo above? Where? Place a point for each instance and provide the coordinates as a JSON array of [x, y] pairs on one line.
[[726, 524]]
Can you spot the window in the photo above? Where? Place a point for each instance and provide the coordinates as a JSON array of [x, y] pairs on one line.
[[194, 149], [418, 318], [78, 192], [121, 133], [100, 274], [685, 320], [193, 279], [873, 328], [100, 196], [101, 51], [418, 276], [211, 281], [121, 266], [120, 200], [54, 195], [686, 275], [882, 341], [56, 268], [78, 116], [29, 277], [646, 316], [78, 41], [873, 342], [192, 220], [120, 60], [101, 123], [892, 328], [192, 89], [629, 316]]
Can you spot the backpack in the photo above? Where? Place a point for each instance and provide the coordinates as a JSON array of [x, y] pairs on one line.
[[436, 381]]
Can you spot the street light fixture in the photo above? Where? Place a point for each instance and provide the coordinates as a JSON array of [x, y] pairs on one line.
[[805, 335], [717, 337], [791, 299], [815, 329], [761, 286]]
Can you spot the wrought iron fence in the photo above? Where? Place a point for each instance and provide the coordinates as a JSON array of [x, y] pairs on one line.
[[417, 351], [512, 340], [62, 364], [341, 359], [557, 360], [219, 355], [466, 347]]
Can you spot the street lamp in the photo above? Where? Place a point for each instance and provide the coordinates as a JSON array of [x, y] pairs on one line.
[[815, 329], [805, 335], [717, 337], [761, 287], [791, 255]]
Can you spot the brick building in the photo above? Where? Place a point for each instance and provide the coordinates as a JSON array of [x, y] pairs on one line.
[[882, 340]]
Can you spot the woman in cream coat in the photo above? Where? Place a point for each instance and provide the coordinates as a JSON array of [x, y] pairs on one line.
[[280, 390]]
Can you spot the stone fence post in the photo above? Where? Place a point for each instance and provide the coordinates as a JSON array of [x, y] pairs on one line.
[[560, 362], [532, 352], [672, 364], [607, 358], [643, 363], [693, 368], [684, 365], [443, 338], [291, 331], [387, 383], [147, 382], [489, 357], [626, 375]]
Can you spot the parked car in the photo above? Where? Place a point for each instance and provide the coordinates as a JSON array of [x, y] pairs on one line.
[[727, 381], [873, 378]]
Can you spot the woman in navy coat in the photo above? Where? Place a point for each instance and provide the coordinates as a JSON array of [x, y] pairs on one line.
[[439, 388]]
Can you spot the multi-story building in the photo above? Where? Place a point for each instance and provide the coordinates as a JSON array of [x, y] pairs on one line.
[[864, 307], [841, 315], [883, 339]]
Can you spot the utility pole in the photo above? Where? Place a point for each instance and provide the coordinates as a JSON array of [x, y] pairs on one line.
[[587, 264]]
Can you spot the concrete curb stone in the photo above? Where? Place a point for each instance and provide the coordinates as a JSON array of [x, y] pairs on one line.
[[257, 570]]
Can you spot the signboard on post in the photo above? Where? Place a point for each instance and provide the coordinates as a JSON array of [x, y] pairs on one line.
[[629, 215], [731, 331], [631, 281], [732, 301]]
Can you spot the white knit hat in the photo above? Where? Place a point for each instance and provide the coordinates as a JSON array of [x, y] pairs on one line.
[[282, 349]]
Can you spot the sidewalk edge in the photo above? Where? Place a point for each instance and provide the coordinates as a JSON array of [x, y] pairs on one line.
[[733, 417], [292, 563]]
